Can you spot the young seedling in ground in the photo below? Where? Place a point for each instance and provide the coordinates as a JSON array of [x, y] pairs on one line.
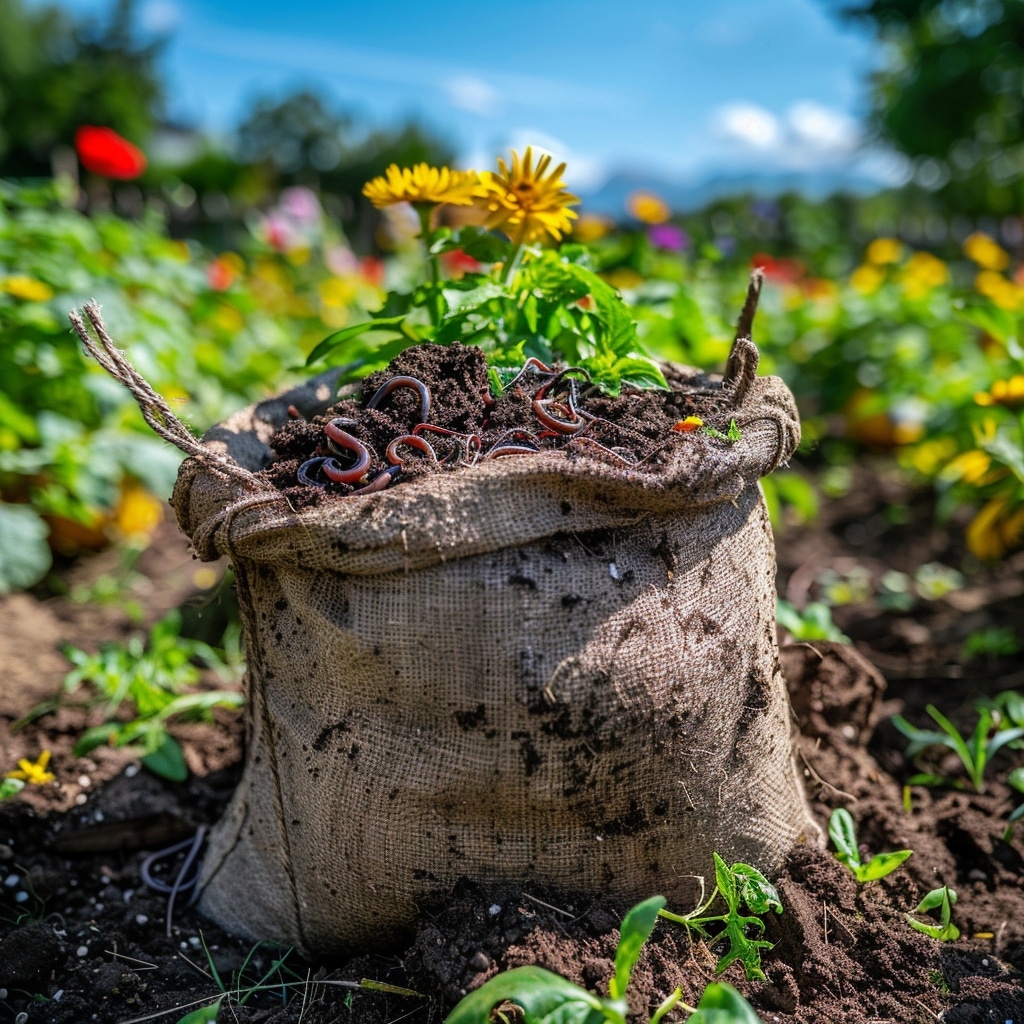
[[941, 900], [813, 623], [974, 753], [536, 996], [1016, 780], [843, 834], [739, 885]]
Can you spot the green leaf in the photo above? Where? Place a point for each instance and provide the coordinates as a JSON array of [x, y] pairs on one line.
[[204, 1015], [722, 1004], [10, 787], [1016, 779], [539, 992], [24, 554], [332, 341], [881, 864], [637, 926], [843, 833], [168, 760], [755, 890]]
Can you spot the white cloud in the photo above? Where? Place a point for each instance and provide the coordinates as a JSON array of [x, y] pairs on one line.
[[750, 125], [468, 92], [159, 16], [822, 128]]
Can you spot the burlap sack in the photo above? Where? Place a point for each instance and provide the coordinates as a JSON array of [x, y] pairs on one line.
[[538, 669]]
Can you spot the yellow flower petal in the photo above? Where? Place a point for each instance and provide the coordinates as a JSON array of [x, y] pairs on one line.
[[421, 184]]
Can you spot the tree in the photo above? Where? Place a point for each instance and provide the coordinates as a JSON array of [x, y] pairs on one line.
[[951, 94], [57, 74]]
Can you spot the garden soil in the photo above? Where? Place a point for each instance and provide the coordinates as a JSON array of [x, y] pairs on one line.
[[82, 939]]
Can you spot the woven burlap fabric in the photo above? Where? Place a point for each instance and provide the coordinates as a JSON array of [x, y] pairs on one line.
[[541, 669]]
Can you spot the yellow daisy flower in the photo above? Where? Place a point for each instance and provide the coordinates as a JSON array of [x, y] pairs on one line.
[[33, 772], [526, 202], [421, 184], [884, 250], [1009, 392], [648, 208], [986, 251], [27, 288]]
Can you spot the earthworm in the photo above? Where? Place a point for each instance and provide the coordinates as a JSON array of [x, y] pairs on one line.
[[613, 452], [472, 442], [182, 881], [541, 407], [379, 482], [309, 470], [343, 443], [410, 441], [404, 382], [514, 445], [531, 364]]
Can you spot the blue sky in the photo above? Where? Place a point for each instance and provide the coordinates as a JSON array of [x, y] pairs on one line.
[[679, 87]]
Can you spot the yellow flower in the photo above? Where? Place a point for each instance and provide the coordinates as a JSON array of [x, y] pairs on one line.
[[421, 184], [648, 207], [591, 227], [884, 250], [33, 772], [138, 512], [986, 252], [970, 467], [996, 529], [922, 273], [1005, 294], [930, 455], [526, 202], [27, 288], [1004, 392], [867, 279]]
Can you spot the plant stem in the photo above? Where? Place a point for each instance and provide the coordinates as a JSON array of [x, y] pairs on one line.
[[515, 256], [424, 210]]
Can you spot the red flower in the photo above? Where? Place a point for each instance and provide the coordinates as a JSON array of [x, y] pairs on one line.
[[457, 263], [788, 271], [372, 270], [103, 151]]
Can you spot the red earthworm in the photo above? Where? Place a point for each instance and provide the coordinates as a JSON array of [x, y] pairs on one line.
[[294, 414], [379, 482], [603, 448], [410, 441], [500, 450], [531, 364], [343, 443], [563, 426], [404, 382], [472, 442], [511, 447]]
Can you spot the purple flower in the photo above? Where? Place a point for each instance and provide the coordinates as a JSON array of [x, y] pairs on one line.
[[668, 236]]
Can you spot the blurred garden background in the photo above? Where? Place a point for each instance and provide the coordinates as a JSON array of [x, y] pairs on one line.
[[866, 153]]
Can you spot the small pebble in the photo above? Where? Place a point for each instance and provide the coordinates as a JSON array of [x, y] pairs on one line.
[[81, 952], [84, 781], [20, 897], [614, 571], [194, 942], [849, 731], [984, 962], [977, 875], [80, 799], [6, 853], [58, 995], [494, 910], [132, 770], [98, 816], [141, 919], [12, 880], [22, 1018]]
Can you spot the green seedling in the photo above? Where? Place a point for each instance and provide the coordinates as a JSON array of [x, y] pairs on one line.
[[941, 900], [147, 680], [1016, 780], [738, 886], [975, 753], [991, 643], [536, 996], [733, 434], [813, 623], [843, 834]]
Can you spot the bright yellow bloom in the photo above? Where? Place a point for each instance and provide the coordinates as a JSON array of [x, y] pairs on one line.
[[1004, 392], [527, 202], [33, 772], [930, 455], [138, 512], [648, 207], [867, 279], [884, 250], [591, 227], [970, 467], [27, 288], [996, 529], [1005, 294], [986, 252], [922, 273], [421, 184]]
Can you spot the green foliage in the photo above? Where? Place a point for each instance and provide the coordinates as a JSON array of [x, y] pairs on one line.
[[738, 886], [941, 900], [148, 680], [843, 834], [813, 623], [24, 554], [10, 787], [992, 642], [975, 752], [542, 997]]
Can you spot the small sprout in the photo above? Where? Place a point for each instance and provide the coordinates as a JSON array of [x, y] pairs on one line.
[[934, 580], [941, 900], [974, 753], [732, 434], [843, 834], [991, 643], [739, 885], [813, 623]]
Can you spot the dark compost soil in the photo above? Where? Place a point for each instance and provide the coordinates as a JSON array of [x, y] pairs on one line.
[[83, 939]]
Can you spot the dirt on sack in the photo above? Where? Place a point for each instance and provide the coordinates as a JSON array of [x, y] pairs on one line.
[[83, 938]]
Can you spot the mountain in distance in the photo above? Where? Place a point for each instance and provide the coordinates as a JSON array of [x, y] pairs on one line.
[[686, 195]]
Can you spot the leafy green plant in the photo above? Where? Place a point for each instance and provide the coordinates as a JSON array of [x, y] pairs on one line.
[[843, 833], [813, 623], [975, 753], [538, 996], [1016, 780], [993, 642], [147, 679], [941, 900], [738, 886]]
